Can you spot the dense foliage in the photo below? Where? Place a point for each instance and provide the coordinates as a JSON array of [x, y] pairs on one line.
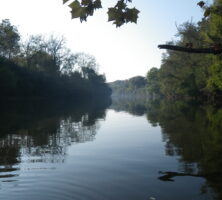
[[191, 75], [44, 67]]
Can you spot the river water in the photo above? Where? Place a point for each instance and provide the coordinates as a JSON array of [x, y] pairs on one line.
[[126, 151]]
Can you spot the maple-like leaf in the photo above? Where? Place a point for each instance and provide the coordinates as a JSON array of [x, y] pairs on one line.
[[112, 14], [76, 9], [132, 15]]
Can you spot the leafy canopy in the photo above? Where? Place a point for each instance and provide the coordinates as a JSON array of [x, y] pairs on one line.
[[119, 14]]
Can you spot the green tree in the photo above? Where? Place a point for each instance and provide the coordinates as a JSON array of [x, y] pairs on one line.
[[213, 35], [44, 62], [183, 74], [137, 82], [84, 62], [9, 39], [46, 53], [153, 81]]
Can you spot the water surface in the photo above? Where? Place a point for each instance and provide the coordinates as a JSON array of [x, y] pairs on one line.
[[128, 151]]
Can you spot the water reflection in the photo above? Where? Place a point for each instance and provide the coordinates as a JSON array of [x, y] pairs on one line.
[[134, 106], [41, 131], [192, 133], [40, 158]]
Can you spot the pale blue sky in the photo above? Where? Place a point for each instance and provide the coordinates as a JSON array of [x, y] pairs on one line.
[[121, 52]]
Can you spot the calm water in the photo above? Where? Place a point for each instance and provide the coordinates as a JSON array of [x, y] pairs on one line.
[[129, 151]]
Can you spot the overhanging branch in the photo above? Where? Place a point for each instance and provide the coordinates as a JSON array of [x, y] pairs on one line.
[[211, 50]]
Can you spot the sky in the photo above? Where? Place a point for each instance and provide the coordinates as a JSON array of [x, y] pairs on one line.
[[122, 53]]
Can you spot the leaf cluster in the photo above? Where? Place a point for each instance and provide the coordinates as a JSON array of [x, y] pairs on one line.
[[119, 14]]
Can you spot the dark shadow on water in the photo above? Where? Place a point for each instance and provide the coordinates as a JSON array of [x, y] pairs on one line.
[[168, 176]]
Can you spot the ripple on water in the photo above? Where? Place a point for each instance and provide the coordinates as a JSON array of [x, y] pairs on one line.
[[33, 183]]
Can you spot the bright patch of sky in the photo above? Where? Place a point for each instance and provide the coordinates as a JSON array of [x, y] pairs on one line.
[[123, 52]]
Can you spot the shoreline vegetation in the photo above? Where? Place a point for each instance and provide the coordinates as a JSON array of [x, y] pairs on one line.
[[19, 82], [191, 75], [43, 67]]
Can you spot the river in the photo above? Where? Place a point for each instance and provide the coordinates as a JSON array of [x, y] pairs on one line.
[[97, 151]]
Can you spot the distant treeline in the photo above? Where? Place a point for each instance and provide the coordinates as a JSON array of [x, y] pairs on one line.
[[134, 87], [185, 75], [45, 67]]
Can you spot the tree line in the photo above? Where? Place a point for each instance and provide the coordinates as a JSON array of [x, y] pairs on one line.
[[134, 87], [42, 66], [191, 75]]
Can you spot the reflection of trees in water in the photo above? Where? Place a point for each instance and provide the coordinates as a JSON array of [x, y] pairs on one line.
[[77, 132], [191, 132], [49, 147], [35, 137], [194, 134], [134, 106]]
